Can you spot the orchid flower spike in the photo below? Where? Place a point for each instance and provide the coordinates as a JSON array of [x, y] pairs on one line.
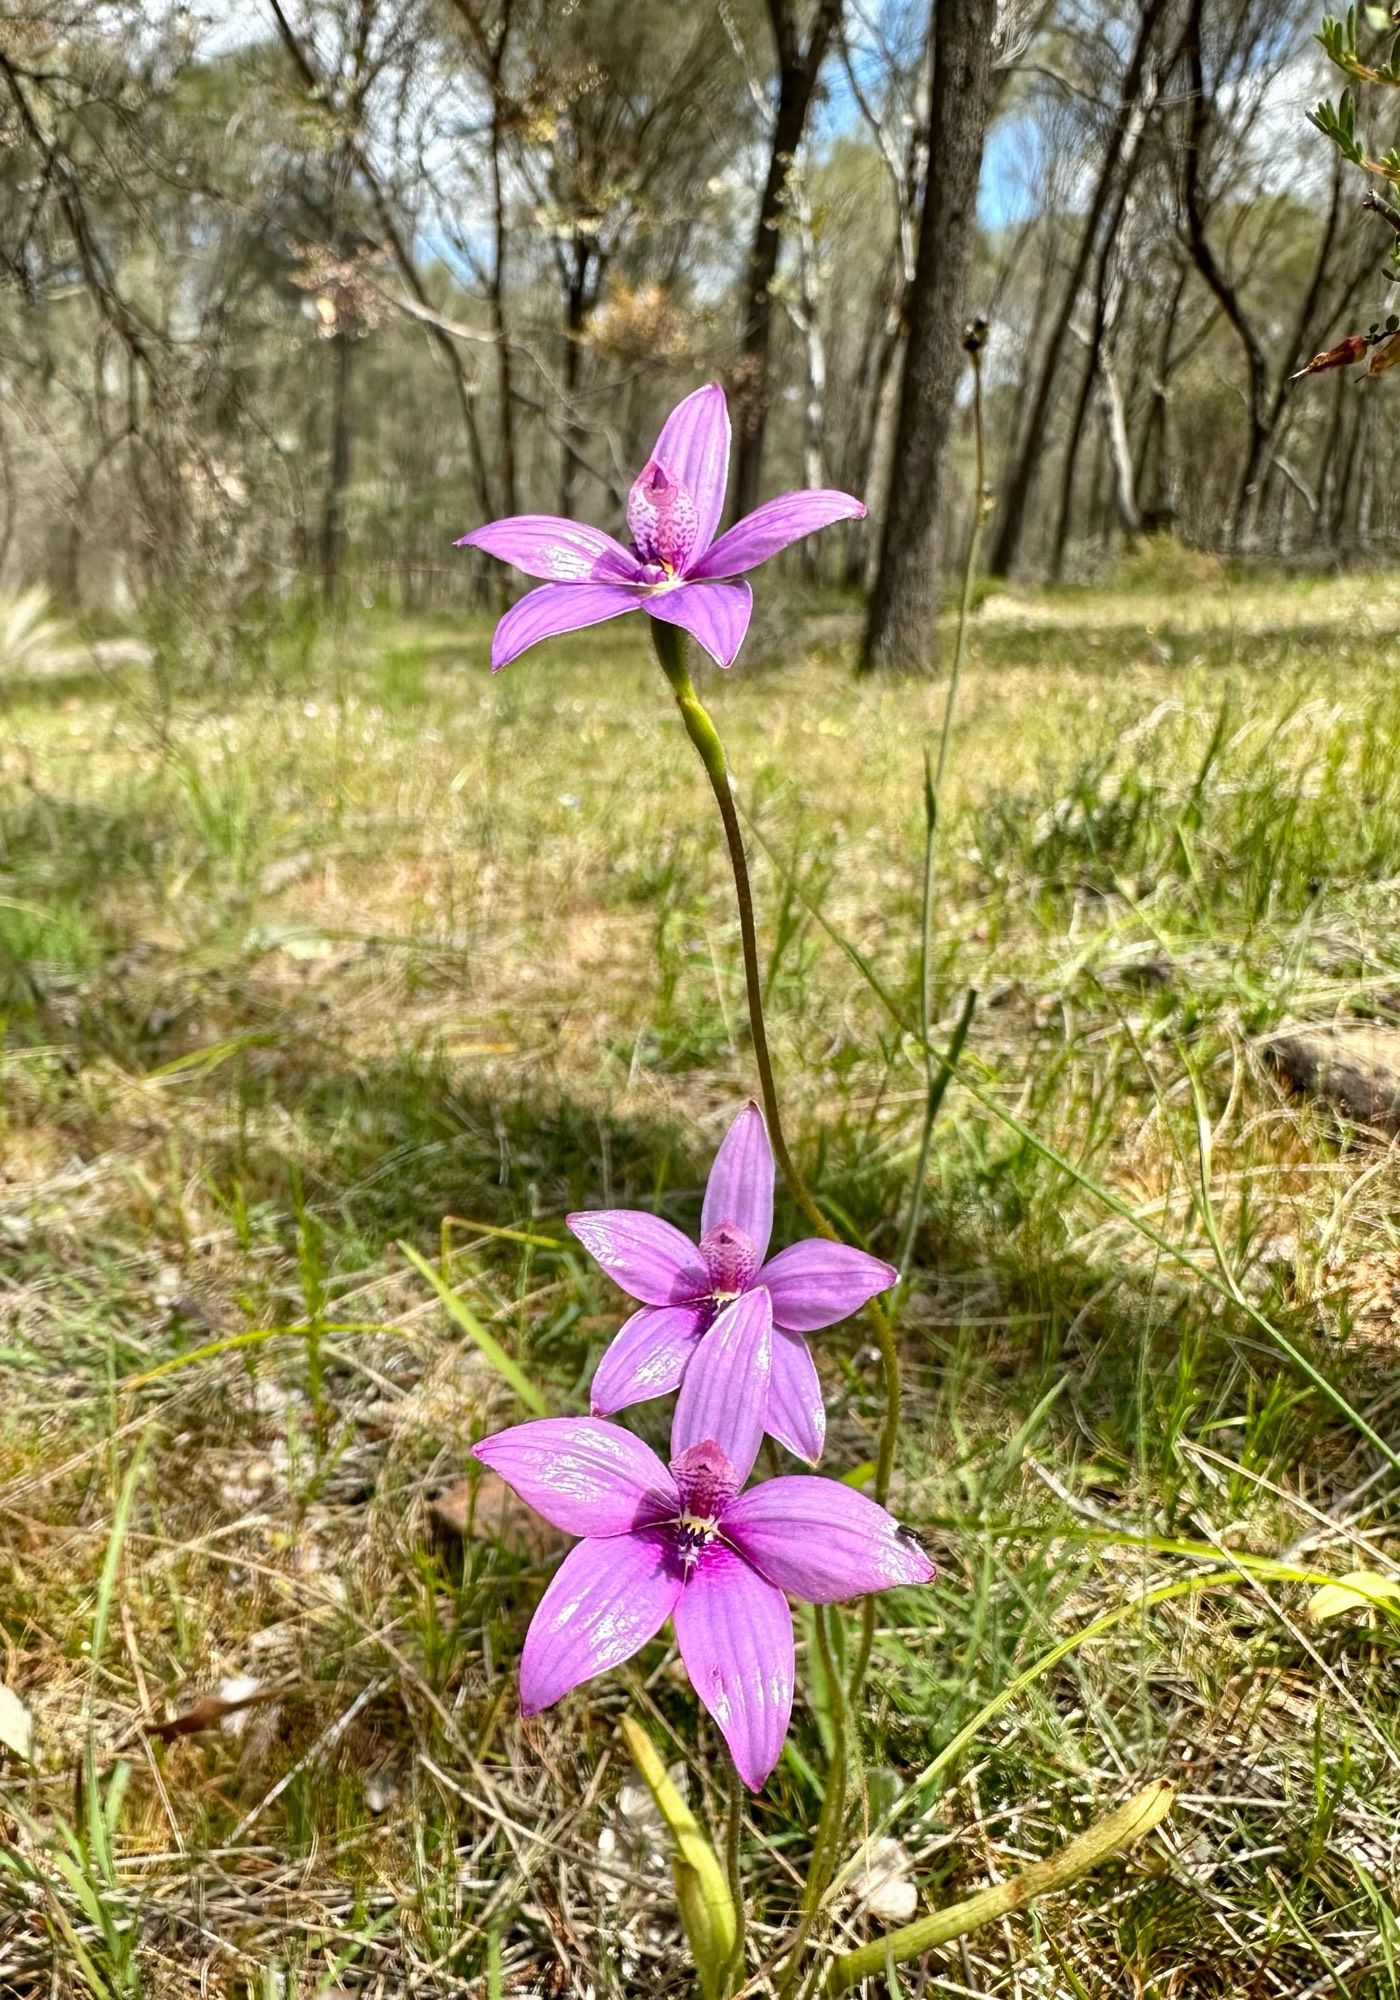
[[684, 1289], [686, 1543], [675, 569]]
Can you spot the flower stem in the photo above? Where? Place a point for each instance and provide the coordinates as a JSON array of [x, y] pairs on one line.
[[733, 1859], [670, 650], [699, 725], [825, 1842]]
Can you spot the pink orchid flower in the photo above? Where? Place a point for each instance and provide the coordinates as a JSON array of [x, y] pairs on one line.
[[675, 569], [683, 1289], [686, 1543]]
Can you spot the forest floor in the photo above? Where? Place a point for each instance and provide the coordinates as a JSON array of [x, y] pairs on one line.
[[299, 963]]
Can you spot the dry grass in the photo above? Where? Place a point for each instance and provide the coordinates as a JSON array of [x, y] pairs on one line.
[[294, 974]]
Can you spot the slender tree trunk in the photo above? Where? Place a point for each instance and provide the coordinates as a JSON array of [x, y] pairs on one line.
[[338, 469], [1018, 487], [799, 64], [1250, 501], [1153, 448], [902, 626], [882, 428], [1107, 297], [1115, 417], [809, 325], [575, 320], [500, 332], [1203, 256]]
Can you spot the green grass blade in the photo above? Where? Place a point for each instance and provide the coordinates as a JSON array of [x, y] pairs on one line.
[[458, 1310]]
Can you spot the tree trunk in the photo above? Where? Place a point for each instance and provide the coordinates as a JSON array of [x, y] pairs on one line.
[[902, 626], [798, 67], [1018, 487], [500, 333], [576, 306], [882, 428], [1204, 259], [338, 471]]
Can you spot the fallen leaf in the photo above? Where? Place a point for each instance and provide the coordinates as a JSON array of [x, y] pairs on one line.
[[211, 1711], [483, 1509], [1385, 356], [883, 1886]]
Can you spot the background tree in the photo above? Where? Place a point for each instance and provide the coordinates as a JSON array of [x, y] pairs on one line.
[[902, 626]]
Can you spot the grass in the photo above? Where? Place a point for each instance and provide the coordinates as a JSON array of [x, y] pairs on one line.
[[291, 977]]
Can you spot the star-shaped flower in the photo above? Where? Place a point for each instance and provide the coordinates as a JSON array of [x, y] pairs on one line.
[[676, 569], [683, 1287], [686, 1543]]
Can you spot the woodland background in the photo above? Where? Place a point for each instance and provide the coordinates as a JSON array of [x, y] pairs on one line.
[[297, 293]]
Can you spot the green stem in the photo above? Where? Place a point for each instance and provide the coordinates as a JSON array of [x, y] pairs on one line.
[[670, 651], [822, 1865], [699, 726], [733, 1860], [1107, 1836]]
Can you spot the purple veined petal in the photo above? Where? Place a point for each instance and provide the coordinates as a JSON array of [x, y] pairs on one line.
[[553, 608], [771, 527], [649, 1259], [715, 614], [735, 1635], [560, 551], [648, 1357], [694, 448], [740, 1187], [796, 1411], [822, 1540], [586, 1477], [813, 1284], [724, 1397], [605, 1600]]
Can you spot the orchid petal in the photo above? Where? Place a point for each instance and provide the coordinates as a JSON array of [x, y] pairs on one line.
[[560, 551], [605, 1600], [554, 608], [724, 1396], [813, 1284], [648, 1357], [586, 1477], [694, 448], [822, 1540], [735, 1635], [715, 614], [740, 1187], [796, 1412], [649, 1259], [772, 527]]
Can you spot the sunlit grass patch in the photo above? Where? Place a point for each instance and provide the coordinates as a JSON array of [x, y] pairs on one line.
[[377, 941]]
